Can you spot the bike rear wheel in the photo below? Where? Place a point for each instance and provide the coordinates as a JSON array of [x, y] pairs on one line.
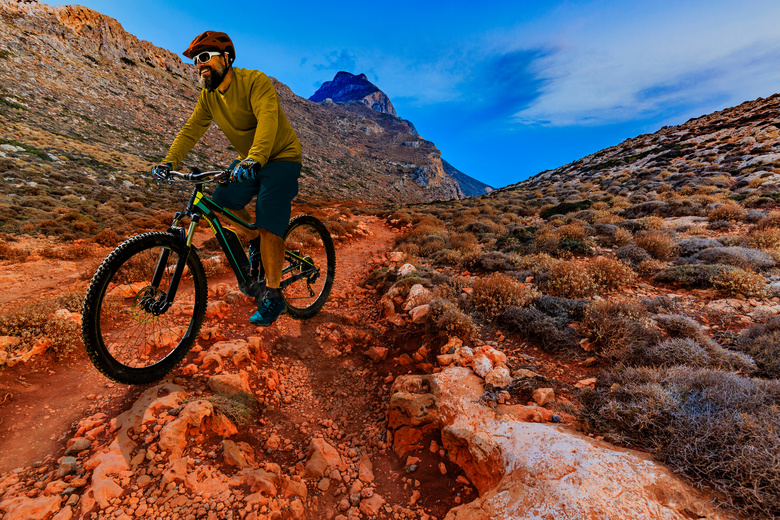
[[129, 334], [309, 266]]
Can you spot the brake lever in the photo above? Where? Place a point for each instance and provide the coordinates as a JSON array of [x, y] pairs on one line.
[[224, 179]]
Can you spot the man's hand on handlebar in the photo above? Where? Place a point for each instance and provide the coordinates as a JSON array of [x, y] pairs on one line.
[[161, 171], [245, 170]]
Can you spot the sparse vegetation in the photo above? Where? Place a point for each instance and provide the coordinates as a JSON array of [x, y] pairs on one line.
[[35, 325], [762, 343], [736, 281], [493, 294], [240, 408], [718, 428]]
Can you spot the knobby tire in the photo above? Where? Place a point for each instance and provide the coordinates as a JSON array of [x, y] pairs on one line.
[[124, 339]]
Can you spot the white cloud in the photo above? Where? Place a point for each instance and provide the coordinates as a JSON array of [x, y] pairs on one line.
[[618, 66]]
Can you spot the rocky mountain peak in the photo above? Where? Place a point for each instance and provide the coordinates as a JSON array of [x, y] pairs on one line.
[[347, 87]]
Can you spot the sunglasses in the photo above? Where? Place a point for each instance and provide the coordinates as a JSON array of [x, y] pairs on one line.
[[205, 56]]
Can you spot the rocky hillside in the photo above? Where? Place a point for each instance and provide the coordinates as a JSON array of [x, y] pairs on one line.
[[471, 187], [734, 152], [95, 107], [350, 90]]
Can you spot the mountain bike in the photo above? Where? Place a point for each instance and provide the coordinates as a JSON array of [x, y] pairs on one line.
[[147, 300]]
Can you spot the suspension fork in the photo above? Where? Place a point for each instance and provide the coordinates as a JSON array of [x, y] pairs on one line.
[[162, 305]]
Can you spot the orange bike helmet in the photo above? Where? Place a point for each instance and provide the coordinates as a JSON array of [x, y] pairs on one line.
[[211, 41]]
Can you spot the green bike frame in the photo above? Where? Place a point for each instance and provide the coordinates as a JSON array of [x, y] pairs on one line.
[[201, 206]]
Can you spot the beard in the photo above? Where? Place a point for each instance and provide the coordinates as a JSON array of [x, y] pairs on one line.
[[211, 81]]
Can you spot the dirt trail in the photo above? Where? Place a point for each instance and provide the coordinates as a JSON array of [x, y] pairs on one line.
[[329, 387]]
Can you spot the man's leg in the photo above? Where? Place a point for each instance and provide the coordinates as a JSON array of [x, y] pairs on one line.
[[244, 215], [278, 186], [272, 253]]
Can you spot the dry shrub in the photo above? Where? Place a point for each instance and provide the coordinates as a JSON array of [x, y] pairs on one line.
[[448, 320], [660, 304], [719, 429], [536, 263], [70, 300], [649, 267], [735, 281], [570, 280], [691, 275], [698, 352], [107, 238], [240, 408], [13, 254], [447, 257], [765, 238], [679, 326], [76, 251], [145, 223], [214, 265], [399, 218], [696, 230], [451, 289], [772, 220], [619, 329], [607, 217], [661, 246], [743, 257], [573, 231], [496, 261], [535, 325], [428, 237], [729, 211], [464, 242], [653, 222], [622, 237], [34, 320], [497, 292], [762, 343], [610, 273]]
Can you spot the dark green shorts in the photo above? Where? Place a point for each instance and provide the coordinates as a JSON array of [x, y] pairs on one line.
[[276, 186]]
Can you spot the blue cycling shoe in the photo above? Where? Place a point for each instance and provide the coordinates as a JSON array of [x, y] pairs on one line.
[[267, 312]]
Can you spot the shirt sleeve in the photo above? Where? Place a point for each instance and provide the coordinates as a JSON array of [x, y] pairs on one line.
[[266, 109], [191, 132]]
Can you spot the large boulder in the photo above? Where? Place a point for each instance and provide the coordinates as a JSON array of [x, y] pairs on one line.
[[526, 470]]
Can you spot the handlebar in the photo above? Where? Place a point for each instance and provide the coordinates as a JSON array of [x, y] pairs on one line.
[[199, 176]]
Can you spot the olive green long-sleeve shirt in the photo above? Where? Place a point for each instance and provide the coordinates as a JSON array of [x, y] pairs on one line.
[[250, 116]]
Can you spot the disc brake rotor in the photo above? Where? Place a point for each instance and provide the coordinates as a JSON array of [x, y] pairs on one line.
[[143, 304]]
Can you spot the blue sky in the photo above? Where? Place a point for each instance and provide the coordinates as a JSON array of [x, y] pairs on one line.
[[505, 89]]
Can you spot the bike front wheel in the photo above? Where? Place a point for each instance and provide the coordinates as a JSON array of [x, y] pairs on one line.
[[309, 266], [132, 332]]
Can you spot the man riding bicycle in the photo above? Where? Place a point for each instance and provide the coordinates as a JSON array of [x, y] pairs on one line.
[[245, 106]]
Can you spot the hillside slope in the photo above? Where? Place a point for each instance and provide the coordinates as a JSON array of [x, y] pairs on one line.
[[734, 152]]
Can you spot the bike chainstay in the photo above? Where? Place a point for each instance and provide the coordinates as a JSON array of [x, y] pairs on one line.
[[304, 266]]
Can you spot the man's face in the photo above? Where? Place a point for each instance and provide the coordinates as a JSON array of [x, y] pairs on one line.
[[211, 73]]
